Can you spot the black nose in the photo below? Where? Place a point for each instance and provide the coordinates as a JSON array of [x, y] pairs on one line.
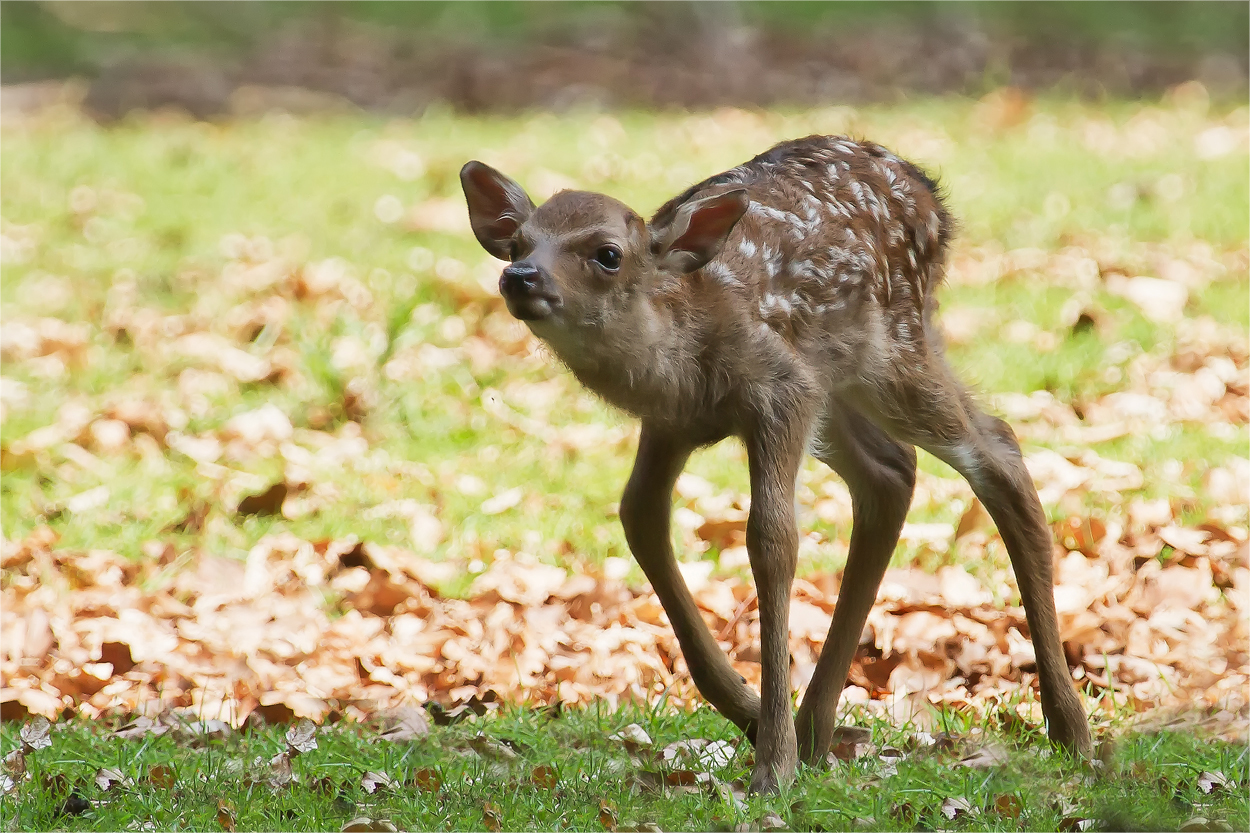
[[519, 279]]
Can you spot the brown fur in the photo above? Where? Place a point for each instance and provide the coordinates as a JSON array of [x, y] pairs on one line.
[[788, 302]]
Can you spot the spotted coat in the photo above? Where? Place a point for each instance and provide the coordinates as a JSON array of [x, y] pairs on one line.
[[834, 226]]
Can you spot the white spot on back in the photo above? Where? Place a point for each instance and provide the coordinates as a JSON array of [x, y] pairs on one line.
[[721, 273], [747, 247]]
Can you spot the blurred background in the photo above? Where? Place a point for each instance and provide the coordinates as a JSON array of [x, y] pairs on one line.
[[210, 58]]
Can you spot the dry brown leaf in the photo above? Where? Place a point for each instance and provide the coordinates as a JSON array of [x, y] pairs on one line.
[[955, 808], [545, 777], [280, 772], [633, 736], [1198, 824], [492, 749], [1008, 806], [37, 734], [106, 778], [427, 779], [15, 762], [990, 755], [1211, 783], [162, 777], [607, 814], [301, 737], [226, 816], [374, 782], [849, 743], [772, 822], [364, 824], [492, 819], [403, 723]]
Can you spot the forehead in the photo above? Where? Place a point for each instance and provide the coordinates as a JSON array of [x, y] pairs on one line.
[[579, 211]]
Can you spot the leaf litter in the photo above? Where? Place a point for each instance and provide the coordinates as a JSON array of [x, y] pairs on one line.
[[1151, 597]]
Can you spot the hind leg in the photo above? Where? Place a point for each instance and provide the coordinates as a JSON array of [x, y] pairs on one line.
[[929, 408], [881, 475]]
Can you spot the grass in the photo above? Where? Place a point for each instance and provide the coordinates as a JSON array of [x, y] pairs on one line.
[[169, 193], [1151, 781], [169, 200]]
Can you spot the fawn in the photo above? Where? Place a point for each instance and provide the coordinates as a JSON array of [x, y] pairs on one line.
[[787, 302]]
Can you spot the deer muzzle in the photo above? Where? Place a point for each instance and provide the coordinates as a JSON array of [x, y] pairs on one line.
[[528, 291]]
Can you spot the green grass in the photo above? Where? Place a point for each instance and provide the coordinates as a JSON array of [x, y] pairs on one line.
[[167, 193], [169, 196], [1148, 782]]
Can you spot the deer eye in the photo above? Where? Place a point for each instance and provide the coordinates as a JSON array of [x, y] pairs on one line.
[[609, 257]]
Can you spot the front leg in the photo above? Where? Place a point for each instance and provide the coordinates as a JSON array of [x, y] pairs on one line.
[[774, 450], [645, 513]]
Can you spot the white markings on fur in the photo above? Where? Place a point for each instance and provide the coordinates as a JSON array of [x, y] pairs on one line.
[[721, 273], [858, 190], [747, 247]]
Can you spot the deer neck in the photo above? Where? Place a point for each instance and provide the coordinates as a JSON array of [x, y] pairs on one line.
[[643, 360]]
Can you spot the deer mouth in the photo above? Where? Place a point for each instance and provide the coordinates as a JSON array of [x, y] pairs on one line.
[[531, 306]]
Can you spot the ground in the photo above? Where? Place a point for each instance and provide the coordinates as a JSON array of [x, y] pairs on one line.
[[271, 445]]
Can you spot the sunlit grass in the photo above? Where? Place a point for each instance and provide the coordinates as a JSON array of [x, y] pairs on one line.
[[149, 202]]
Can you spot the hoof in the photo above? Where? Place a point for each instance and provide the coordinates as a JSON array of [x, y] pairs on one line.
[[769, 779]]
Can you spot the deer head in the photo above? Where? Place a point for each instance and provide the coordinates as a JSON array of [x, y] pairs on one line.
[[581, 262]]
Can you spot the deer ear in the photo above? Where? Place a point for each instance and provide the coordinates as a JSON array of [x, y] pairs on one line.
[[700, 229], [497, 207]]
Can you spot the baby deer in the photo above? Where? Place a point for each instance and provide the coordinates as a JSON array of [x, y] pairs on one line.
[[787, 302]]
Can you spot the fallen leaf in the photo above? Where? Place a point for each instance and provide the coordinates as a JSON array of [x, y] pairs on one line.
[[772, 822], [633, 736], [1211, 783], [427, 779], [954, 808], [607, 814], [374, 782], [364, 824], [1008, 806], [493, 749], [107, 777], [162, 776], [280, 772], [226, 816], [990, 755], [15, 763], [545, 776], [301, 737], [1198, 824], [904, 812], [37, 734], [492, 819], [403, 723], [704, 753]]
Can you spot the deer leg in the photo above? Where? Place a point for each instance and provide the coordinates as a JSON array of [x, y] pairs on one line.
[[646, 508], [984, 450], [774, 451], [881, 475]]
